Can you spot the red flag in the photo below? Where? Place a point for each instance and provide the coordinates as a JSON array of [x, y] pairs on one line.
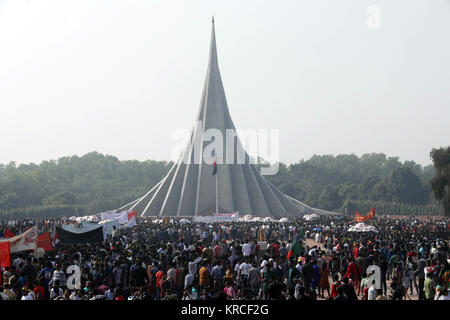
[[358, 217], [5, 257], [215, 168], [361, 218], [371, 214], [8, 234], [44, 241], [132, 214]]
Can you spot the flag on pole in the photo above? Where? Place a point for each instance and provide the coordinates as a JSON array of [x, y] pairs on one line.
[[295, 250], [5, 255], [371, 214], [55, 238], [215, 168], [360, 218]]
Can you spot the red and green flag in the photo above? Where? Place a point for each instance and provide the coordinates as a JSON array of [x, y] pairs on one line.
[[295, 250], [215, 168]]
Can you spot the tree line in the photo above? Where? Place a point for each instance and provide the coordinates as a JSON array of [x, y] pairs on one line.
[[95, 182]]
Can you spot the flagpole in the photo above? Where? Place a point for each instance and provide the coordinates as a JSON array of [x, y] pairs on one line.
[[217, 195]]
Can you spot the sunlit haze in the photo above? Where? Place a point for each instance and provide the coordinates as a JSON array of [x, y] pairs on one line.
[[119, 77]]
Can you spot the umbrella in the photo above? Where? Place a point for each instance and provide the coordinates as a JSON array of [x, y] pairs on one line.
[[317, 229]]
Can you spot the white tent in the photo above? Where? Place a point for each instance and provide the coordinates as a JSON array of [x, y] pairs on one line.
[[309, 217], [362, 227]]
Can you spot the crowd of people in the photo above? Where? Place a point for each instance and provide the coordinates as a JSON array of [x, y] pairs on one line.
[[240, 261]]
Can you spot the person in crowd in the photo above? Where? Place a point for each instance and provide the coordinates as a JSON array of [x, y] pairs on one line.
[[233, 260]]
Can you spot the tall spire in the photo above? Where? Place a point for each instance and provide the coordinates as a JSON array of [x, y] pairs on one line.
[[189, 187], [213, 47]]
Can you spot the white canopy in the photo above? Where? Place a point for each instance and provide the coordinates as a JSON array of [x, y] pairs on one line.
[[309, 217], [362, 227]]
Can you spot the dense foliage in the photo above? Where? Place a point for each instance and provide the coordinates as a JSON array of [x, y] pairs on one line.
[[95, 182], [346, 183], [441, 181], [75, 185]]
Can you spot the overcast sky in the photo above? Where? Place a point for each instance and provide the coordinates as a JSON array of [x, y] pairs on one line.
[[119, 77]]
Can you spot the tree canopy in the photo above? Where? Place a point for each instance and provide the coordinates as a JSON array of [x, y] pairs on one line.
[[440, 183], [95, 182]]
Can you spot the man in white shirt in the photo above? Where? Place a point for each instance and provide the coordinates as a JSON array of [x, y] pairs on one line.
[[246, 249], [27, 294], [372, 293], [188, 280], [237, 272], [244, 267], [3, 295], [192, 265], [318, 237], [18, 262], [299, 266]]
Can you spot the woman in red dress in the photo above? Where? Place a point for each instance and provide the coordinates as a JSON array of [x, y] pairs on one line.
[[324, 281]]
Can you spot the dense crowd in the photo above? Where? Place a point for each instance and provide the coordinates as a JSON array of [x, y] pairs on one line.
[[239, 261]]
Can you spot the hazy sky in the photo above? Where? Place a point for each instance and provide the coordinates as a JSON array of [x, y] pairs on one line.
[[119, 77]]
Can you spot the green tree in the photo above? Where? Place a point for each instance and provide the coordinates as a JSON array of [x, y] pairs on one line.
[[440, 184]]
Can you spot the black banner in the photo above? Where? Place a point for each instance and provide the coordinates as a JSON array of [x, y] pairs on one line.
[[95, 235]]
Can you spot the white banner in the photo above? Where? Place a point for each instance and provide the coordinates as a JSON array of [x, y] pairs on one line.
[[229, 215], [24, 241], [108, 225], [121, 216], [131, 223], [216, 218]]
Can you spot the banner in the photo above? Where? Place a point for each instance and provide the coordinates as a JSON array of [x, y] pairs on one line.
[[8, 234], [5, 257], [217, 218], [85, 227], [131, 215], [131, 223], [44, 241], [110, 215], [24, 241], [108, 226], [95, 235], [361, 218], [228, 215]]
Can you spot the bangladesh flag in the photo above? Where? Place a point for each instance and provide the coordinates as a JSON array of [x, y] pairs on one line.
[[215, 168], [295, 250]]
